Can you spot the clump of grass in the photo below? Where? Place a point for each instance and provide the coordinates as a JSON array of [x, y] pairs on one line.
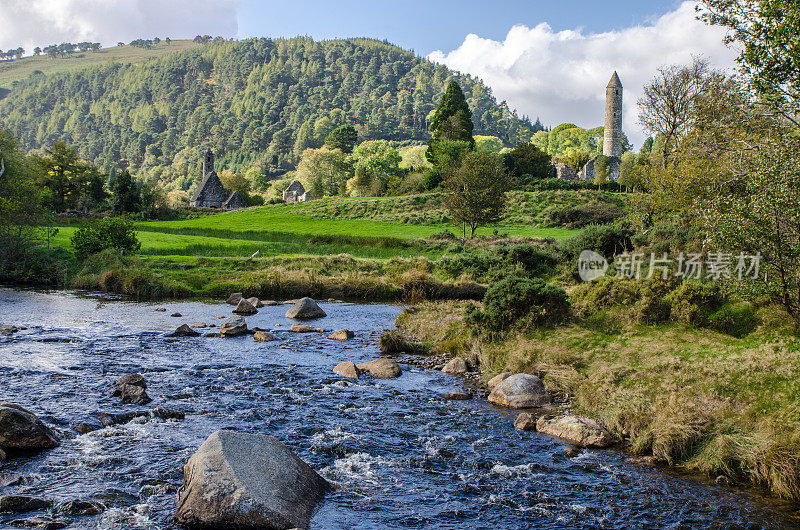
[[393, 342]]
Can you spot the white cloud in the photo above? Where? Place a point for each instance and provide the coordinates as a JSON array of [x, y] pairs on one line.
[[561, 76], [31, 23]]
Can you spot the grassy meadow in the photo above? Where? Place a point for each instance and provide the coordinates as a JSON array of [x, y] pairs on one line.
[[19, 69]]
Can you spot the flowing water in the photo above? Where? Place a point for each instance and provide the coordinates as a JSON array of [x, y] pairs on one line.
[[398, 454]]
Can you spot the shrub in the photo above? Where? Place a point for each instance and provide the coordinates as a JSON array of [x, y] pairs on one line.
[[734, 319], [603, 293], [608, 240], [584, 215], [521, 302], [653, 306], [693, 301], [101, 234]]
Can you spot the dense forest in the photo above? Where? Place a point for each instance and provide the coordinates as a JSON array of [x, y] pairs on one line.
[[257, 103]]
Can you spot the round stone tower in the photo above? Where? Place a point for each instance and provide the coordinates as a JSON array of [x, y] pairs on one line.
[[612, 135]]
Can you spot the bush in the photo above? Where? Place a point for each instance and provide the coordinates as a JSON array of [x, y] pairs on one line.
[[522, 303], [580, 216], [603, 293], [111, 233], [693, 301], [653, 306], [737, 320], [608, 240]]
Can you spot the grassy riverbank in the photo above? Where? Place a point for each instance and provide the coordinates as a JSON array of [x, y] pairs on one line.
[[691, 397], [299, 254]]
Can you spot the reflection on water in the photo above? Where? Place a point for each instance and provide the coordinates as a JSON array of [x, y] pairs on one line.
[[399, 455]]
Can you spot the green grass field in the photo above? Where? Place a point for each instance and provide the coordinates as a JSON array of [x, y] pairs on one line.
[[19, 69], [283, 230]]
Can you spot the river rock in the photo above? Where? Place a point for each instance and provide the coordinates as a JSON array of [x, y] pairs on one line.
[[176, 315], [234, 298], [579, 431], [200, 325], [347, 369], [41, 522], [20, 429], [233, 327], [496, 380], [520, 391], [255, 302], [78, 508], [22, 504], [525, 422], [3, 456], [269, 303], [456, 365], [305, 308], [184, 330], [9, 330], [245, 308], [134, 394], [264, 336], [457, 396], [302, 328], [239, 480], [382, 368], [161, 309], [342, 334], [165, 413]]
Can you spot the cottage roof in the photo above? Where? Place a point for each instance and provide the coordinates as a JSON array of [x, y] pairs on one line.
[[296, 187], [210, 182], [235, 201]]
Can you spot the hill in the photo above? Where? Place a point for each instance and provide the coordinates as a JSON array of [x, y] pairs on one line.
[[256, 103], [12, 72]]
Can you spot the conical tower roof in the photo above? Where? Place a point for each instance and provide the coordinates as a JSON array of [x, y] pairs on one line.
[[615, 82]]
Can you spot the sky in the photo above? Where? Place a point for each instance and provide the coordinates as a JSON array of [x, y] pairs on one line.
[[548, 59]]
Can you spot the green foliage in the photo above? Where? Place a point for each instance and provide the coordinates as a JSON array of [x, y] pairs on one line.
[[491, 144], [607, 240], [693, 302], [526, 164], [115, 233], [125, 196], [323, 171], [604, 293], [344, 138], [476, 191], [453, 118], [521, 303], [737, 320], [248, 101], [498, 262], [584, 215]]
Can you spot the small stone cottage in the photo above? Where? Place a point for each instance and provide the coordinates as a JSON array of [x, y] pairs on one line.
[[296, 192], [211, 193]]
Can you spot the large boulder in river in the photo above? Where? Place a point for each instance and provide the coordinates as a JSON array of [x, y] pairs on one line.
[[131, 388], [184, 330], [520, 391], [22, 504], [233, 327], [579, 431], [245, 308], [234, 298], [305, 308], [456, 365], [342, 334], [347, 369], [255, 302], [239, 480], [382, 368], [21, 430], [496, 380], [264, 336]]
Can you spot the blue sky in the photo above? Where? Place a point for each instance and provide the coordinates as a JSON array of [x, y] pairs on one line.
[[416, 24]]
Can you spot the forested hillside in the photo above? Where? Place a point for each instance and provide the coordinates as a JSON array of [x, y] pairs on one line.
[[256, 103]]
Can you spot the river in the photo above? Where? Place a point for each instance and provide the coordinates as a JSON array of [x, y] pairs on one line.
[[398, 454]]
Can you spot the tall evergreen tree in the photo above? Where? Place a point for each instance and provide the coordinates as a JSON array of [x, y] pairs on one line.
[[125, 193], [453, 119]]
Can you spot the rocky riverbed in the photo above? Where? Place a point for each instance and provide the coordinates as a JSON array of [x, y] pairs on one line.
[[420, 450]]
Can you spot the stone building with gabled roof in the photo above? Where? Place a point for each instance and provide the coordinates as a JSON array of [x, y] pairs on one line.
[[235, 201], [296, 192], [211, 193]]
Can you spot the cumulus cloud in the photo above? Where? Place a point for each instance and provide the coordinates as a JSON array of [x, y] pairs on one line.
[[561, 76], [31, 23]]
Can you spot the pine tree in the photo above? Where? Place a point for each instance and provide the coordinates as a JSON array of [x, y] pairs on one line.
[[125, 194], [453, 119]]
